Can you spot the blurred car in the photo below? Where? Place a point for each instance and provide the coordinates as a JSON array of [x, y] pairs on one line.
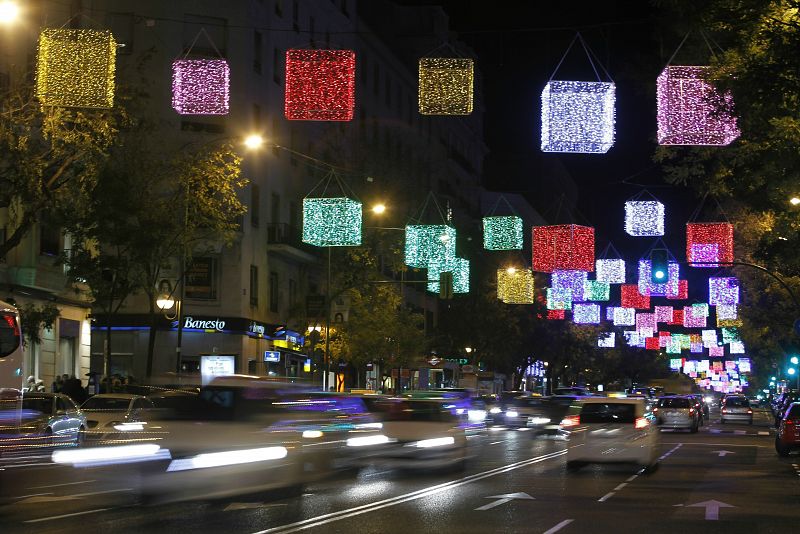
[[416, 434], [45, 420], [677, 413], [494, 410], [736, 409], [573, 391], [781, 403], [604, 430], [788, 436], [702, 407], [113, 416], [543, 415]]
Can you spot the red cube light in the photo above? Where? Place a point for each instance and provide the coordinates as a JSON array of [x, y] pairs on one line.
[[320, 85], [652, 343], [631, 298], [563, 247], [677, 317], [683, 291], [709, 244], [555, 315]]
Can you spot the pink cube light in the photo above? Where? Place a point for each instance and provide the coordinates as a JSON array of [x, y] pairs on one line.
[[200, 86]]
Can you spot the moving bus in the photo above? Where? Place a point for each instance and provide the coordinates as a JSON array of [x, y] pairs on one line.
[[11, 356]]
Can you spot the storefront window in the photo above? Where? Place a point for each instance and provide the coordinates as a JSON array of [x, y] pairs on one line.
[[201, 279]]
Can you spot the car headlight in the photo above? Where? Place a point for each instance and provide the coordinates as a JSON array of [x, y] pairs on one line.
[[539, 420], [312, 434], [476, 415], [435, 442], [495, 410], [708, 399], [512, 413], [129, 427]]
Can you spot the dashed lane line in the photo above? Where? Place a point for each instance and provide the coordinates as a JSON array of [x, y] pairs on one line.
[[607, 496], [52, 518], [619, 487], [559, 526]]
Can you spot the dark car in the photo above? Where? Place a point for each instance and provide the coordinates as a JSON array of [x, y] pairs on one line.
[[788, 437]]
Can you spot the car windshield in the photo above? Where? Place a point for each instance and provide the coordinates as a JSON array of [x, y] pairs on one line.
[[674, 402], [608, 412], [38, 404], [107, 404], [739, 402]]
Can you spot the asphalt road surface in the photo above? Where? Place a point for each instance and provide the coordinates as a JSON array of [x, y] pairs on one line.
[[726, 478]]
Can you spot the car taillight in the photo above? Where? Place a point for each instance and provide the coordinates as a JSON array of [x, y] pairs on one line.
[[691, 411], [571, 420], [749, 411], [724, 410], [641, 422], [789, 422], [655, 410]]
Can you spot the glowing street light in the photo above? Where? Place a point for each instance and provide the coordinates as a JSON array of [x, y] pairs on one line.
[[791, 371], [9, 11], [378, 209], [794, 360], [165, 302], [511, 270], [794, 201], [253, 141]]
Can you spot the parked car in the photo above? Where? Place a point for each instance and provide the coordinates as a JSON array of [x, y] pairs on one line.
[[781, 403], [46, 420], [736, 409], [112, 416], [677, 413], [788, 436], [605, 430], [416, 434]]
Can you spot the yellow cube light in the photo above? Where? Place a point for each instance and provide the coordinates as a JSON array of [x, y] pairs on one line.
[[75, 68], [445, 86], [515, 286]]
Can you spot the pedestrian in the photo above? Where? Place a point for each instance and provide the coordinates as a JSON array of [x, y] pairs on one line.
[[30, 384], [74, 389]]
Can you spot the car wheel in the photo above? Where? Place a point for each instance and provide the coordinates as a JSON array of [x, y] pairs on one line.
[[783, 450], [575, 466]]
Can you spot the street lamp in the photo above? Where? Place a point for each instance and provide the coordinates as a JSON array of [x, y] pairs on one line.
[[794, 360], [794, 201], [379, 209], [253, 141], [165, 302], [9, 11]]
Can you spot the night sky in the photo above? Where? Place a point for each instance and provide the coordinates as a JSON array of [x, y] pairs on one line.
[[518, 44]]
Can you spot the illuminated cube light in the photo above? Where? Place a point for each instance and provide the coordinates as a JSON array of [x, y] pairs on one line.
[[683, 291], [645, 320], [320, 85], [693, 317], [651, 343], [716, 352], [631, 298], [428, 242], [709, 244], [684, 340], [559, 299], [673, 346], [606, 340], [670, 287], [675, 364], [644, 218], [663, 314], [689, 366], [624, 316], [572, 280], [700, 309], [729, 335], [610, 271], [502, 233], [200, 86], [744, 365], [445, 86], [596, 291], [633, 339], [696, 348], [515, 286], [75, 68], [610, 313], [690, 111], [578, 117], [586, 314], [709, 338], [663, 340], [723, 290], [737, 347], [556, 315], [646, 332], [331, 222], [563, 247], [677, 317], [729, 322], [727, 311], [458, 266]]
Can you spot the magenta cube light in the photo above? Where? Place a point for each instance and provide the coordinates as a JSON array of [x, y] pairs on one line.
[[200, 86], [691, 111]]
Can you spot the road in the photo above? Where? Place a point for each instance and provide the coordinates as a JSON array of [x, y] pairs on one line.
[[726, 478]]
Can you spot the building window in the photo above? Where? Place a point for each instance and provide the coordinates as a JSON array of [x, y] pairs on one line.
[[273, 291], [295, 16], [292, 292], [275, 208], [49, 239], [279, 7], [253, 285], [294, 216], [257, 117], [276, 60], [255, 205], [202, 278], [343, 5], [258, 46]]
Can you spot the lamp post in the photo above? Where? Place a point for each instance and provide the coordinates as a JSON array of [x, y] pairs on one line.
[[9, 11]]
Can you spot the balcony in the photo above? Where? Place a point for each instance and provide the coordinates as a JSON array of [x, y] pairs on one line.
[[284, 239]]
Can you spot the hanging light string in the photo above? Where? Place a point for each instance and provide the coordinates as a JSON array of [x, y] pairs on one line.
[[586, 49]]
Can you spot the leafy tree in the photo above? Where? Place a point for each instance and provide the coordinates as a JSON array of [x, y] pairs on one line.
[[34, 319], [50, 158]]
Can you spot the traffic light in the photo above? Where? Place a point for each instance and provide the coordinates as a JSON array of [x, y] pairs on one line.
[[659, 260], [445, 286]]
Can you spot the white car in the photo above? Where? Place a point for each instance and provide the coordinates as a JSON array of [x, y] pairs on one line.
[[112, 416], [415, 434], [611, 431]]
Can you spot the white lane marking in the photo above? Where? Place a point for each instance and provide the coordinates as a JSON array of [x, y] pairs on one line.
[[631, 478], [78, 495], [66, 515], [605, 497], [621, 486], [502, 499], [418, 494], [501, 441], [559, 526], [65, 484], [715, 444], [32, 495], [762, 433]]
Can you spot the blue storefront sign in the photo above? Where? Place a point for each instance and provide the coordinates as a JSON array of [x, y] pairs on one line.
[[272, 356]]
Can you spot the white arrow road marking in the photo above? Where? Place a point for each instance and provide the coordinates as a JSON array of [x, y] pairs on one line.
[[724, 453], [502, 499], [712, 508]]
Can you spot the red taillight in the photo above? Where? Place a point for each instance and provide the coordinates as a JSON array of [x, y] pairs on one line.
[[641, 422], [724, 410], [749, 411], [789, 422], [691, 411], [655, 410], [571, 420]]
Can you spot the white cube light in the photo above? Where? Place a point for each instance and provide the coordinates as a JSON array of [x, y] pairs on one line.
[[578, 117]]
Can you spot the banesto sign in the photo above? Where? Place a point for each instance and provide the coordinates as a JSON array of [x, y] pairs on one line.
[[211, 324]]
